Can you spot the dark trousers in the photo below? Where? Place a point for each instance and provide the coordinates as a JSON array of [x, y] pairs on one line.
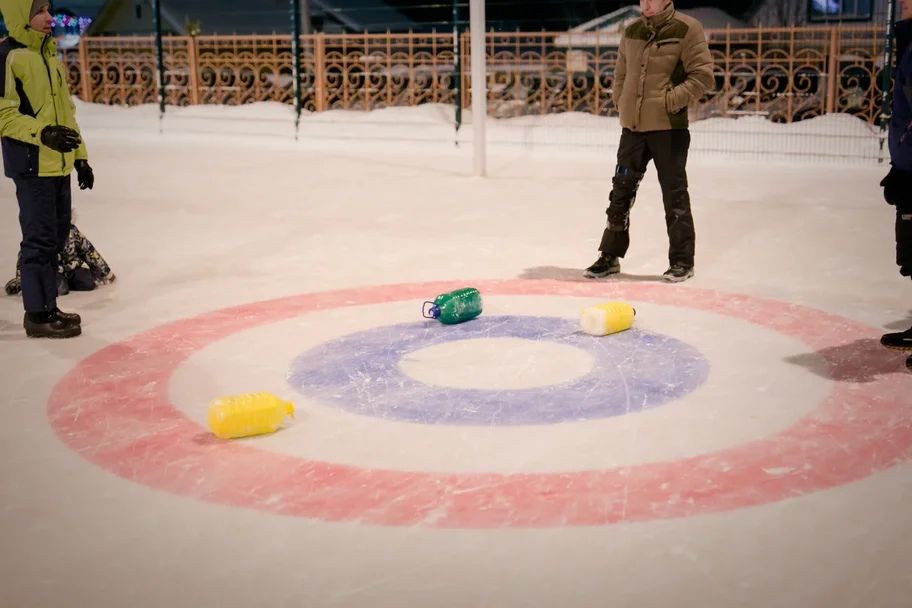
[[904, 240], [668, 150], [44, 215]]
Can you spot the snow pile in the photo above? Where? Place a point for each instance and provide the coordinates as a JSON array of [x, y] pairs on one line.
[[839, 137]]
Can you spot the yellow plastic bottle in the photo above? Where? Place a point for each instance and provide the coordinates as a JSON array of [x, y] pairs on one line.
[[607, 318], [246, 415]]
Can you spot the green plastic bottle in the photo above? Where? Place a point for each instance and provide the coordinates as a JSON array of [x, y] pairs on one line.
[[454, 306]]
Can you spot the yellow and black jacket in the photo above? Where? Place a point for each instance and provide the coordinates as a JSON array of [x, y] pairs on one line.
[[33, 95]]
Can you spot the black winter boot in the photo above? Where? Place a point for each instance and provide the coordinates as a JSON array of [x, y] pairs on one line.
[[678, 273], [50, 325], [603, 267], [900, 340], [71, 317]]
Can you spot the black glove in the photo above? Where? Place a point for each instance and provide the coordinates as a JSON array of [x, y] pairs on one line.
[[897, 185], [84, 175], [60, 138]]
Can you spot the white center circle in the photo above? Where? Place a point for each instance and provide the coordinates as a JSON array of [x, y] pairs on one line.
[[496, 364]]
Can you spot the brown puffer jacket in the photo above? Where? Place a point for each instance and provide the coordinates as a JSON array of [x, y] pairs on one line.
[[663, 66]]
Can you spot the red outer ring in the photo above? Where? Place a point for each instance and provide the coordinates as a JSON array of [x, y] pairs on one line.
[[113, 409]]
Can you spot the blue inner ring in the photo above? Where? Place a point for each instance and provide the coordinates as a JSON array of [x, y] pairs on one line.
[[633, 370]]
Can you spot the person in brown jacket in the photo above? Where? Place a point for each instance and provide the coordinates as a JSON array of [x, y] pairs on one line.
[[663, 66]]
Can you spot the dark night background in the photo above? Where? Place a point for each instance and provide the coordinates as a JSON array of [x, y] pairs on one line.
[[530, 15], [269, 16], [549, 14]]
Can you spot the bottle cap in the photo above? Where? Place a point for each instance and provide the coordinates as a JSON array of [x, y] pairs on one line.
[[430, 310]]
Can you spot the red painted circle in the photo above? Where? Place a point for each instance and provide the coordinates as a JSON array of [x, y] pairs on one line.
[[113, 409]]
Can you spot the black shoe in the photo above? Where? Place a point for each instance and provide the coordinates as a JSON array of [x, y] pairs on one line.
[[901, 340], [678, 273], [50, 325], [603, 266], [71, 317]]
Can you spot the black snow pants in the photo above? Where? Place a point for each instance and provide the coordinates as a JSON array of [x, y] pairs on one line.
[[668, 150]]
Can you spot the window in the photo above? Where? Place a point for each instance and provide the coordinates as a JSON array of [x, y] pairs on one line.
[[840, 10]]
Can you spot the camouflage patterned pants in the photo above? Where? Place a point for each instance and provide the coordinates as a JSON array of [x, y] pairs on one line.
[[78, 257]]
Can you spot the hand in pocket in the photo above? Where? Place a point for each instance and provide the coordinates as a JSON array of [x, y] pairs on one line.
[[670, 105]]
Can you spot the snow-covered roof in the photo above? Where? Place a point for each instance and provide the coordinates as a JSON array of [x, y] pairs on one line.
[[713, 18], [243, 16], [606, 30]]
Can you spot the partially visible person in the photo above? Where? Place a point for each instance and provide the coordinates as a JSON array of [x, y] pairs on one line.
[[897, 184], [664, 65], [80, 267], [41, 147]]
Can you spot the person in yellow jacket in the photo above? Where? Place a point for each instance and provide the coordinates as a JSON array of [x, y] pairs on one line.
[[663, 66], [41, 146]]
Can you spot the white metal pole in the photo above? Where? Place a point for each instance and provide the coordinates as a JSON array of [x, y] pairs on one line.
[[479, 84]]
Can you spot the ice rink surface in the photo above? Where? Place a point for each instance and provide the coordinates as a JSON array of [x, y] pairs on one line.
[[746, 443]]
